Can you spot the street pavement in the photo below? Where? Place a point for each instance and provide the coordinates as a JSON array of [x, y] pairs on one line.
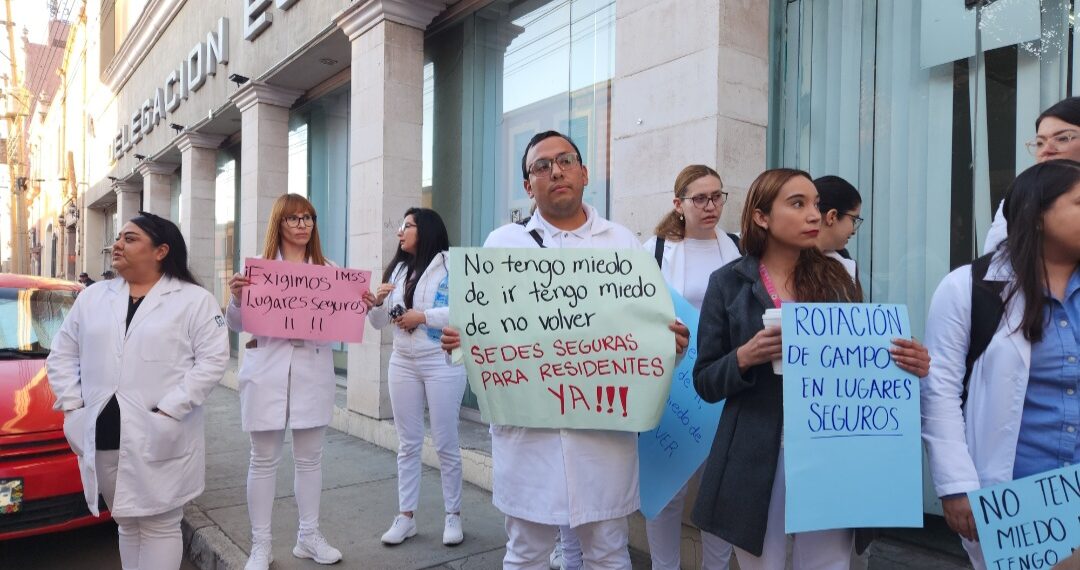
[[359, 502]]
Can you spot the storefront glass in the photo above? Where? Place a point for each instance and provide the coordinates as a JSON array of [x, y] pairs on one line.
[[319, 170], [506, 72], [924, 106], [226, 209]]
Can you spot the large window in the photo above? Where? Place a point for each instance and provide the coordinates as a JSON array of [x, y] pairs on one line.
[[924, 106], [319, 170], [506, 72]]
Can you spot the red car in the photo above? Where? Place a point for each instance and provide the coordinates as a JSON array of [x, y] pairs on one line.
[[40, 488]]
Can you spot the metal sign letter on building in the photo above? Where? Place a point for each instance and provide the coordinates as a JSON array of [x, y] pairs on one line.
[[202, 61]]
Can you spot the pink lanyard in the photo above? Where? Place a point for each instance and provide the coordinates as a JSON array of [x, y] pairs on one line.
[[769, 285]]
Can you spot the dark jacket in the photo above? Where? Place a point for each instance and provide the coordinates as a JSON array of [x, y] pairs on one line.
[[733, 501]]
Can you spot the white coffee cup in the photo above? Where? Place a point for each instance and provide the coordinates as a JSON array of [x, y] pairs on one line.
[[771, 318]]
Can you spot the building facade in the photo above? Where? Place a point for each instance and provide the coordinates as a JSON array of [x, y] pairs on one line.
[[204, 111]]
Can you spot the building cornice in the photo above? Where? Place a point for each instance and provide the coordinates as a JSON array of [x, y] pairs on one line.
[[188, 141], [364, 15], [148, 29], [148, 167], [254, 92], [123, 187]]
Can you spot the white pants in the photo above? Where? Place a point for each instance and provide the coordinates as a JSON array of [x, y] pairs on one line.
[[412, 382], [266, 450], [571, 548], [974, 552], [819, 550], [149, 543], [665, 538], [604, 544]]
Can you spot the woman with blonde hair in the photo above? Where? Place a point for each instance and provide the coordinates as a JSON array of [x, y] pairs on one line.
[[743, 491], [689, 248], [285, 380]]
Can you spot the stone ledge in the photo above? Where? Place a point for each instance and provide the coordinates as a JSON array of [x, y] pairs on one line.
[[206, 546]]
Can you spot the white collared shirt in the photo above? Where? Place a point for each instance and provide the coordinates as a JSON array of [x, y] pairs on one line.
[[564, 476]]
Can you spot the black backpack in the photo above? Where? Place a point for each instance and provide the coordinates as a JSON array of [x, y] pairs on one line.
[[987, 309], [658, 253]]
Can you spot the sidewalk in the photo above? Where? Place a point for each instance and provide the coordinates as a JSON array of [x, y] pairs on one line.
[[358, 504]]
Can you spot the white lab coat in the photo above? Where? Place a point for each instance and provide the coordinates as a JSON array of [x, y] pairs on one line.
[[171, 357], [416, 344], [999, 230], [974, 448], [564, 476], [281, 380], [674, 267]]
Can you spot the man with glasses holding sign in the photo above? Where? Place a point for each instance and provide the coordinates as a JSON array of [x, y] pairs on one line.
[[543, 477]]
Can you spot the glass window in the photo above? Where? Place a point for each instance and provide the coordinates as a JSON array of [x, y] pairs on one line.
[[505, 73], [29, 319], [226, 219], [929, 126], [319, 170]]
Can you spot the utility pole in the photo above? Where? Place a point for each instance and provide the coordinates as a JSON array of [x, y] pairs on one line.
[[20, 252]]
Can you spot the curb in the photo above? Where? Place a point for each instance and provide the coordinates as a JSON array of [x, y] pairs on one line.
[[206, 546]]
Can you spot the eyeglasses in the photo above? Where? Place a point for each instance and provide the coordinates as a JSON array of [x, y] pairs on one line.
[[699, 201], [855, 219], [1059, 140], [542, 166], [295, 221], [404, 226]]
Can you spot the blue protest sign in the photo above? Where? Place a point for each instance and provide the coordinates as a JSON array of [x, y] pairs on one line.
[[670, 454], [852, 450], [1032, 522]]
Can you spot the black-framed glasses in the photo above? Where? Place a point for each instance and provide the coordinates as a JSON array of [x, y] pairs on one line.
[[404, 226], [308, 220], [541, 167], [855, 219], [699, 201], [1057, 141]]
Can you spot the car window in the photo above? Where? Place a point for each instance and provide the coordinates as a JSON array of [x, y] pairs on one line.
[[29, 318]]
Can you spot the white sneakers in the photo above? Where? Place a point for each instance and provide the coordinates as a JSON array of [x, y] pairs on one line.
[[261, 557], [452, 534], [555, 561], [403, 527], [315, 547]]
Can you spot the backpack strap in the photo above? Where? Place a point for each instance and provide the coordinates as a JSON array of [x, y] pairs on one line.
[[735, 240], [658, 253], [987, 309], [536, 237]]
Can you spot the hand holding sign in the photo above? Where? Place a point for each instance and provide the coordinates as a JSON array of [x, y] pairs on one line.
[[1032, 522], [568, 338], [852, 437], [301, 300]]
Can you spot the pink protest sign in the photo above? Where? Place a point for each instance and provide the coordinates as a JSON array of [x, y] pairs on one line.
[[304, 301]]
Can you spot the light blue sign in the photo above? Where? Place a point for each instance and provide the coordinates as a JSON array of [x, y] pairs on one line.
[[1032, 522], [670, 454], [852, 450]]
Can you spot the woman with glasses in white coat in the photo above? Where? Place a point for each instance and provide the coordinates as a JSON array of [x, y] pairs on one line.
[[689, 248], [1016, 415], [285, 381], [131, 367], [414, 297]]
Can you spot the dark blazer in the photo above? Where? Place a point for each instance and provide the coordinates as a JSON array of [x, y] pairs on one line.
[[733, 501]]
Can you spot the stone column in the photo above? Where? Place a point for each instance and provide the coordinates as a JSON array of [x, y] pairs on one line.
[[385, 157], [198, 172], [157, 186], [128, 201], [264, 157], [720, 122]]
